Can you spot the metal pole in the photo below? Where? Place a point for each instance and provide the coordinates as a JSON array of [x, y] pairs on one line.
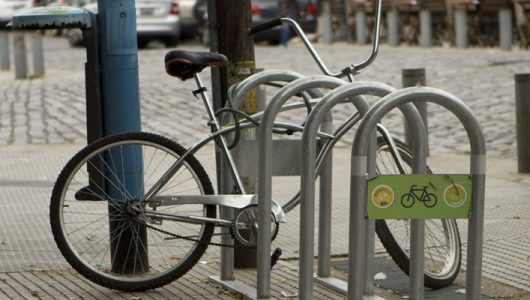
[[475, 237], [522, 114], [37, 54], [392, 19], [461, 27], [360, 27], [369, 229], [417, 256], [4, 51], [21, 60], [426, 28], [505, 29], [324, 221], [415, 77], [121, 111]]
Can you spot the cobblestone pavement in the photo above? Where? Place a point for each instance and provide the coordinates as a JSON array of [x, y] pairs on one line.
[[51, 110]]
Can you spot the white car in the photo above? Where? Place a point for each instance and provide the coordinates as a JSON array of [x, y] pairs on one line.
[[192, 15], [155, 19], [158, 19]]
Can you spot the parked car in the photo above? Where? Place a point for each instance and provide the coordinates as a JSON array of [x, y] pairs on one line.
[[155, 19], [189, 22], [264, 11], [158, 19], [9, 8]]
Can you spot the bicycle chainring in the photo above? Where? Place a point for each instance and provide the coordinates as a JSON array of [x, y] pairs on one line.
[[244, 227]]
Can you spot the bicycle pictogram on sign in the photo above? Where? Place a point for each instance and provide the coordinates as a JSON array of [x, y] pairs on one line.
[[420, 194]]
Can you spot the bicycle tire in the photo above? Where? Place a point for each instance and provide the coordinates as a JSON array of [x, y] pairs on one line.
[[80, 220], [393, 234]]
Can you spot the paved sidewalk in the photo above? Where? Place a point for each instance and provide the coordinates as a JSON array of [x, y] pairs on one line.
[[31, 263], [42, 124]]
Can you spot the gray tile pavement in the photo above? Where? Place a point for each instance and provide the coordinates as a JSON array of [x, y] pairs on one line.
[[42, 124]]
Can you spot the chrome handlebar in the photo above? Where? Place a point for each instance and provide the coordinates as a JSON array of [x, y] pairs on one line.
[[348, 71]]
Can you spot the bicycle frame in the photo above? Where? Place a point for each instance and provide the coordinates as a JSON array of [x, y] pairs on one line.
[[414, 192], [218, 135]]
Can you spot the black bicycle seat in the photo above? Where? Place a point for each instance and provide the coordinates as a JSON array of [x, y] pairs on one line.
[[184, 64]]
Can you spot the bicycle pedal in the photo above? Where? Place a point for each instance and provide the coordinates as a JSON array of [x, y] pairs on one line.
[[275, 256]]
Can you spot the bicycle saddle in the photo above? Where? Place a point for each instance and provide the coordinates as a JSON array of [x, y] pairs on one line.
[[184, 64]]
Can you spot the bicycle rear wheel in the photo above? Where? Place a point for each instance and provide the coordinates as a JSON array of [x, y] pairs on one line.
[[103, 227], [442, 239]]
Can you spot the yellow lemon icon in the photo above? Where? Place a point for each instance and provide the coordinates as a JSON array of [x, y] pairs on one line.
[[382, 196], [455, 195]]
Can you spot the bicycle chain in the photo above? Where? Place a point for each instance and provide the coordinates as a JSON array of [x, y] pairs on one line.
[[185, 238]]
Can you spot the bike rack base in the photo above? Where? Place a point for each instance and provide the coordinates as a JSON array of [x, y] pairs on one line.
[[250, 293], [340, 286], [246, 291]]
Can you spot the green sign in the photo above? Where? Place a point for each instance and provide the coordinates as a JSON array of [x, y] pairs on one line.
[[419, 197]]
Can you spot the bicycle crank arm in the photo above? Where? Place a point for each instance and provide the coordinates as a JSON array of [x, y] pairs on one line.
[[233, 201], [156, 216]]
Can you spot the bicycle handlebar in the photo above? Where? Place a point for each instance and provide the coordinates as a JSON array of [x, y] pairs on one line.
[[265, 26], [348, 71]]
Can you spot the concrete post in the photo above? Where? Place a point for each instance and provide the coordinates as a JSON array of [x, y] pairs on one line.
[[505, 29], [4, 51], [522, 116], [21, 60], [325, 23], [37, 54], [426, 29], [409, 78], [392, 20], [461, 28], [360, 27]]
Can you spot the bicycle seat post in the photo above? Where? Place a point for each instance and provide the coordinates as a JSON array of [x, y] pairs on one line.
[[214, 123], [203, 91]]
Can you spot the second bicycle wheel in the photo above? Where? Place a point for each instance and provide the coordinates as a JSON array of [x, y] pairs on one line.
[[109, 233], [442, 239]]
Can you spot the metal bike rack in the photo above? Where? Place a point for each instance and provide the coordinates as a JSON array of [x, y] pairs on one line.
[[359, 185], [237, 95], [265, 170], [349, 91]]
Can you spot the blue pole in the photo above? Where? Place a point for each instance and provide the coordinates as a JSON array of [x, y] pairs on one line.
[[119, 66], [121, 113]]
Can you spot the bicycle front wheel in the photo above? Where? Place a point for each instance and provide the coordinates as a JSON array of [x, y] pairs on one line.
[[442, 239], [109, 233]]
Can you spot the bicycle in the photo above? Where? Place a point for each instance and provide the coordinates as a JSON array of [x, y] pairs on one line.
[[104, 229], [409, 199]]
